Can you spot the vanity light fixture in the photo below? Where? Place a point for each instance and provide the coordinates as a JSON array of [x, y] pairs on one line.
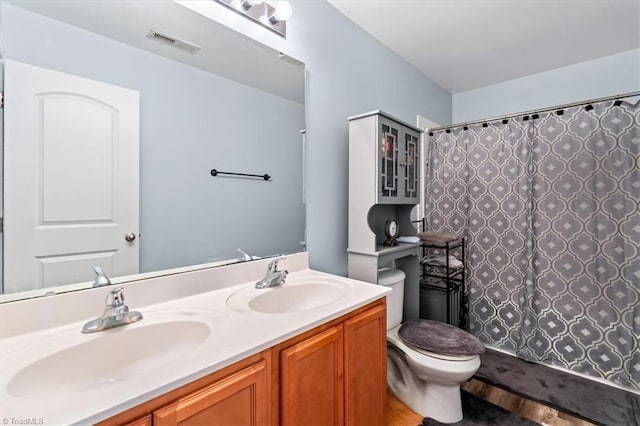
[[282, 12], [272, 15], [244, 5]]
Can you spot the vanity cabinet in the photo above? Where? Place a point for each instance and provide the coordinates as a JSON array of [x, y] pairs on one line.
[[240, 399], [334, 374]]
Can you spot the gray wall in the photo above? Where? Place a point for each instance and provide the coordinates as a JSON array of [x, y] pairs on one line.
[[191, 121], [606, 76], [349, 72]]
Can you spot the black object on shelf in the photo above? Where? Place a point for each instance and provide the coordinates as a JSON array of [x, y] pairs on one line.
[[215, 172], [442, 279]]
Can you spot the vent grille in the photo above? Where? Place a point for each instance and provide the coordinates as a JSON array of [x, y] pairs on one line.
[[172, 41], [288, 59]]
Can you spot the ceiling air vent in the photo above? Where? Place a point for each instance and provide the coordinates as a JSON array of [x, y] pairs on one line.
[[172, 41], [288, 59]]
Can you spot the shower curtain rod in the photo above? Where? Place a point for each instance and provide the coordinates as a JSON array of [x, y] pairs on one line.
[[535, 111]]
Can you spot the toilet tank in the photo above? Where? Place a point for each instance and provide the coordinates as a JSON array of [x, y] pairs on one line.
[[393, 278]]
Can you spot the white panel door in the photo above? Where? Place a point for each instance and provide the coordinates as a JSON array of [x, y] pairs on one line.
[[71, 160]]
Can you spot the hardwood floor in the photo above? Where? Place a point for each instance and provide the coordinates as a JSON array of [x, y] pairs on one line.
[[399, 414], [524, 407]]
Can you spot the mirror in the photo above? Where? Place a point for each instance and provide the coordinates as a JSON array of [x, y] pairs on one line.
[[233, 105]]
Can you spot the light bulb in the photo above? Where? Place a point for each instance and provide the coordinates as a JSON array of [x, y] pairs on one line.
[[283, 10], [242, 5]]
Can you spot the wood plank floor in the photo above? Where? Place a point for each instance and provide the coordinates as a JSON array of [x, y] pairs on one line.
[[399, 414]]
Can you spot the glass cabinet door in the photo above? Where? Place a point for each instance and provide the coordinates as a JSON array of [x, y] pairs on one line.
[[411, 172], [389, 160]]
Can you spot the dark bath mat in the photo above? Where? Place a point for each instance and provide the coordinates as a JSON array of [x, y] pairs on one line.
[[583, 398], [478, 412]]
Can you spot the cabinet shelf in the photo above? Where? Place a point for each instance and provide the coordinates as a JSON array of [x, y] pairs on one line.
[[453, 276], [450, 245], [381, 250], [452, 287]]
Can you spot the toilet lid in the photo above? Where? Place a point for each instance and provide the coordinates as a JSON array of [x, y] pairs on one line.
[[439, 338]]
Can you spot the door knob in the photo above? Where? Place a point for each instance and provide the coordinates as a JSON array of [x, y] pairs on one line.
[[130, 237]]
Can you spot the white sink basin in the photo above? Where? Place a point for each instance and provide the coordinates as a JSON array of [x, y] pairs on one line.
[[71, 362], [292, 296]]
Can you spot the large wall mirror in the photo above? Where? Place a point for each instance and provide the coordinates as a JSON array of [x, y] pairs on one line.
[[115, 114]]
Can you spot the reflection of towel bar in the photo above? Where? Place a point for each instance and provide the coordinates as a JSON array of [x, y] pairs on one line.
[[215, 172]]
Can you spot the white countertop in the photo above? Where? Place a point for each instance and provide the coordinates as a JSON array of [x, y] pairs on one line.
[[236, 335]]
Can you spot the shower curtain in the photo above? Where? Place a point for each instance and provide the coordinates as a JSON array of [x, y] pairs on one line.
[[550, 206]]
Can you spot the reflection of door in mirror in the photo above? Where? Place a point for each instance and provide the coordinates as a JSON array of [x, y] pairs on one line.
[[81, 137]]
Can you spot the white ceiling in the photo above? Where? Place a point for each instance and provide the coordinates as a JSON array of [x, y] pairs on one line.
[[466, 44]]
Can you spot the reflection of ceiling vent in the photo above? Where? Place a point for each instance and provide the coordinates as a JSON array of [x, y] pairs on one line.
[[288, 59], [172, 41]]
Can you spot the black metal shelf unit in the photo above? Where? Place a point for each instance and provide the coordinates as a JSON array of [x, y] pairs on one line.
[[442, 278]]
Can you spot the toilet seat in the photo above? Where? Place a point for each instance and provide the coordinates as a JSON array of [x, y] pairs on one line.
[[439, 338], [444, 357], [422, 356]]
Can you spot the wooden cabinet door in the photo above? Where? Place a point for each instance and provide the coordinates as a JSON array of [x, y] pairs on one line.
[[143, 421], [240, 399], [311, 381], [365, 351]]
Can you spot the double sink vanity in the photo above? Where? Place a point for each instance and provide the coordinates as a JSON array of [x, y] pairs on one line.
[[211, 348]]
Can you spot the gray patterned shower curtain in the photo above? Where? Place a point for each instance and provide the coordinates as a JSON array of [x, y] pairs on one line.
[[550, 207]]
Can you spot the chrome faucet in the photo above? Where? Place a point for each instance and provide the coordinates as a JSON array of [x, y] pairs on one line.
[[100, 279], [273, 276], [115, 314]]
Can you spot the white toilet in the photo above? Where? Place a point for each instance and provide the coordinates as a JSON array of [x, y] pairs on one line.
[[427, 382]]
